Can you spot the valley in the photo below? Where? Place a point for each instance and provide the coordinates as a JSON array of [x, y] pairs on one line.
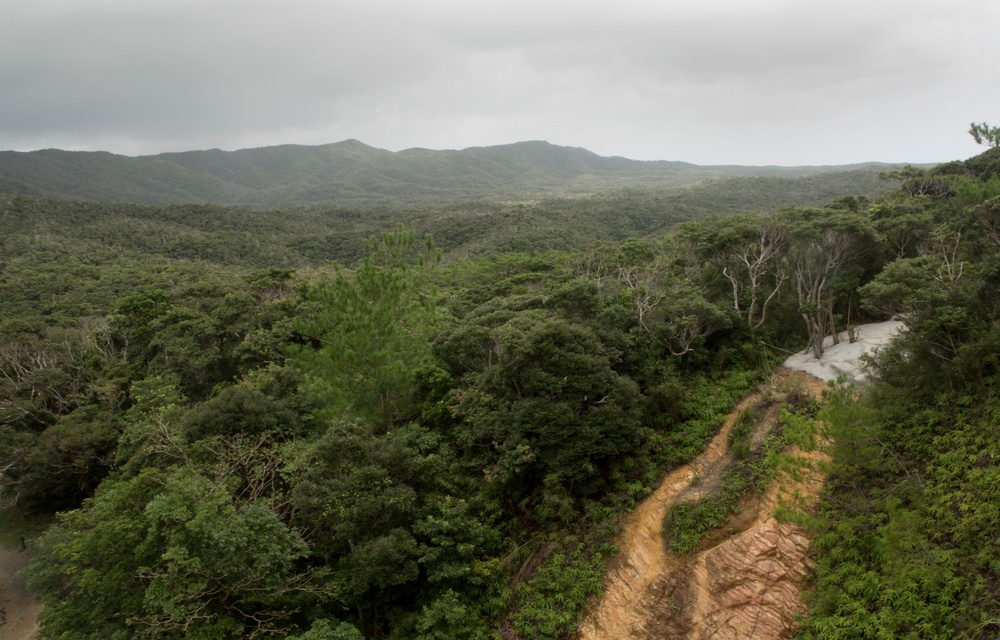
[[548, 403]]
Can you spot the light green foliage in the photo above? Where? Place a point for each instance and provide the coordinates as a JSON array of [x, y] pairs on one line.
[[898, 557], [323, 629], [86, 568], [906, 539], [687, 524], [149, 438], [552, 602], [706, 403], [451, 618], [370, 330], [452, 541], [215, 559], [906, 535]]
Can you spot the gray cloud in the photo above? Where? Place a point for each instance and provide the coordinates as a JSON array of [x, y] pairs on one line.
[[769, 81]]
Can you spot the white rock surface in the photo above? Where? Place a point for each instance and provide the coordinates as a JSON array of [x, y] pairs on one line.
[[843, 359]]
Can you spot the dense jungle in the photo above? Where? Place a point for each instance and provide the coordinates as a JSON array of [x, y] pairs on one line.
[[356, 420]]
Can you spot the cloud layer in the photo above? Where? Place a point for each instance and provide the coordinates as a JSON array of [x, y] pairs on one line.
[[719, 81]]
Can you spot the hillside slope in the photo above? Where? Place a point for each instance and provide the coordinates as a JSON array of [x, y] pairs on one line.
[[350, 173]]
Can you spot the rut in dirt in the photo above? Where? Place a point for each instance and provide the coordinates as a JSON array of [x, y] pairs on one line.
[[744, 582]]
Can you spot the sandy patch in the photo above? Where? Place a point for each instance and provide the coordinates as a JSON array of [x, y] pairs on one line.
[[844, 358]]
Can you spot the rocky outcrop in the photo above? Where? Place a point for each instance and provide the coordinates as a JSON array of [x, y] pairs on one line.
[[842, 357]]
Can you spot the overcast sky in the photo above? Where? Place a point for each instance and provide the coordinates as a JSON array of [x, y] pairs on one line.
[[706, 81]]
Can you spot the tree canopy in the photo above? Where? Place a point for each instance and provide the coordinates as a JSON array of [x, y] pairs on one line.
[[308, 440]]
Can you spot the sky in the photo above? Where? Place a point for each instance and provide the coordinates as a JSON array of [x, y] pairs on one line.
[[753, 82]]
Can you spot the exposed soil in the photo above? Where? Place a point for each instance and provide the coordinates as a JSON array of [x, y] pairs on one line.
[[744, 582], [18, 608]]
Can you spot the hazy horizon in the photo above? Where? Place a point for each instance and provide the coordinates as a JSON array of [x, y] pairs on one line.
[[767, 82], [347, 140]]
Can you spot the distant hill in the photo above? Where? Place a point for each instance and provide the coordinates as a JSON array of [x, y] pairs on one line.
[[352, 174]]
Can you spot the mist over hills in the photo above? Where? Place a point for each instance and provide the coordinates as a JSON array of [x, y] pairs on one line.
[[353, 174]]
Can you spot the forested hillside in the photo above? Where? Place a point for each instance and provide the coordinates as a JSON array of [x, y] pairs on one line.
[[232, 236], [352, 174], [260, 426]]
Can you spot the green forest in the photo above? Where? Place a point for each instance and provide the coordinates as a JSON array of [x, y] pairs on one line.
[[337, 423], [352, 174]]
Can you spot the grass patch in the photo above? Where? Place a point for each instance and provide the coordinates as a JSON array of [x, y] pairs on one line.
[[743, 429], [688, 523]]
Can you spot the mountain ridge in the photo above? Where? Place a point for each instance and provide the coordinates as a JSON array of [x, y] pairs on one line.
[[352, 173]]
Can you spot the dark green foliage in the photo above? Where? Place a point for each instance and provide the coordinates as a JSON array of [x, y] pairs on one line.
[[375, 513], [986, 165], [68, 460], [539, 397], [831, 252], [241, 409], [250, 442], [985, 134]]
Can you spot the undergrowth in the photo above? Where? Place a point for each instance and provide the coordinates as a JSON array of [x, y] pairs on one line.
[[687, 524], [907, 531], [707, 405], [548, 605]]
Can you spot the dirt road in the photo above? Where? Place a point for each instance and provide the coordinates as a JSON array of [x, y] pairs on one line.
[[18, 609], [746, 585]]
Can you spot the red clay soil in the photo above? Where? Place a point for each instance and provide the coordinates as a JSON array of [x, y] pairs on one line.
[[746, 582]]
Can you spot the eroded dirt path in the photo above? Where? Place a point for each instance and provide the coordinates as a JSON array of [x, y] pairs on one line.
[[745, 584], [18, 609]]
